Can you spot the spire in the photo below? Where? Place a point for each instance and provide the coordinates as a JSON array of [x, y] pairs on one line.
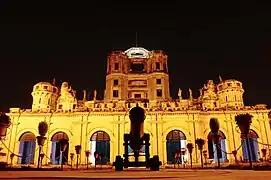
[[136, 40], [95, 95], [220, 78]]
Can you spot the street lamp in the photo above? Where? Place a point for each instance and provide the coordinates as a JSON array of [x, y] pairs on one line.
[[87, 156]]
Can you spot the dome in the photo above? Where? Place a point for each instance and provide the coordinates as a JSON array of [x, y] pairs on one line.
[[137, 52], [43, 83], [45, 86], [230, 83]]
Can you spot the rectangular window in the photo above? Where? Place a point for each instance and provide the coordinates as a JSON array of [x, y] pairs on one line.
[[137, 95], [115, 93], [158, 81], [157, 64], [159, 92], [116, 82], [116, 66], [45, 87], [60, 107], [74, 106], [137, 67]]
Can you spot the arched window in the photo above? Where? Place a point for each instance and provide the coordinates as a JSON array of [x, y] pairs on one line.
[[253, 146], [221, 151], [100, 142], [56, 157], [27, 148], [176, 142]]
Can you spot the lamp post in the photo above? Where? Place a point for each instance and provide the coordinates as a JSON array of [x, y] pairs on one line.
[[87, 156], [63, 145], [71, 156], [78, 151], [190, 147]]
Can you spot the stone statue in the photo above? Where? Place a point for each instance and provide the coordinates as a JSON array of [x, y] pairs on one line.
[[190, 94], [85, 95], [200, 92], [180, 94]]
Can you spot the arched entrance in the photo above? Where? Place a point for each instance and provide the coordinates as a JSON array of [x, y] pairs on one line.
[[176, 142], [253, 146], [221, 151], [100, 142], [56, 157], [27, 148]]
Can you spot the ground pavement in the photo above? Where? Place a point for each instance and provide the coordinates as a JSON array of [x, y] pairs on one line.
[[140, 174]]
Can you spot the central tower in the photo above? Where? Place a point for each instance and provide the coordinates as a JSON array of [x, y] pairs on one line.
[[137, 74]]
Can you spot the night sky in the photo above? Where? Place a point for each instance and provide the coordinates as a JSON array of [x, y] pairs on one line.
[[70, 42]]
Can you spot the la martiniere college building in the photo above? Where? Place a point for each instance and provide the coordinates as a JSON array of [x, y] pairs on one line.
[[135, 76]]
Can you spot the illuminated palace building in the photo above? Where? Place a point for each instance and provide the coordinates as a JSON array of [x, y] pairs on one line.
[[135, 76]]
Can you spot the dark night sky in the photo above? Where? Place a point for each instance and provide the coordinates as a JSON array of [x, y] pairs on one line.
[[71, 42]]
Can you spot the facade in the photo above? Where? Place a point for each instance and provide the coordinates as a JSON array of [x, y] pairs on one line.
[[135, 76]]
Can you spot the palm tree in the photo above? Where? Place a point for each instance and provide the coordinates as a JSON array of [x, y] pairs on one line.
[[43, 128], [214, 126], [4, 124], [244, 121], [190, 147], [200, 142]]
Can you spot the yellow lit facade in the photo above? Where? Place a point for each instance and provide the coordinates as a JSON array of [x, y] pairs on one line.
[[134, 76]]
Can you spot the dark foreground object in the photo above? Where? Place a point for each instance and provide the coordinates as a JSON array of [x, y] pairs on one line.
[[137, 140]]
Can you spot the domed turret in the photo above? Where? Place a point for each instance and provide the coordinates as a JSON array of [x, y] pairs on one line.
[[230, 93], [44, 97]]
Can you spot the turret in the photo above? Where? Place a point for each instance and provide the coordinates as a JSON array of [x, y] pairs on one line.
[[44, 97], [230, 93]]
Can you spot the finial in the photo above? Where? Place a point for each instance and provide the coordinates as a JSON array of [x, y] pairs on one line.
[[136, 40]]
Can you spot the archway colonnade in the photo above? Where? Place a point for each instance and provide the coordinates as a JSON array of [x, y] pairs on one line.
[[99, 141]]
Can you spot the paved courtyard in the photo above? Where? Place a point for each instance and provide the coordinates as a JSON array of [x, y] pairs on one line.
[[140, 174]]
